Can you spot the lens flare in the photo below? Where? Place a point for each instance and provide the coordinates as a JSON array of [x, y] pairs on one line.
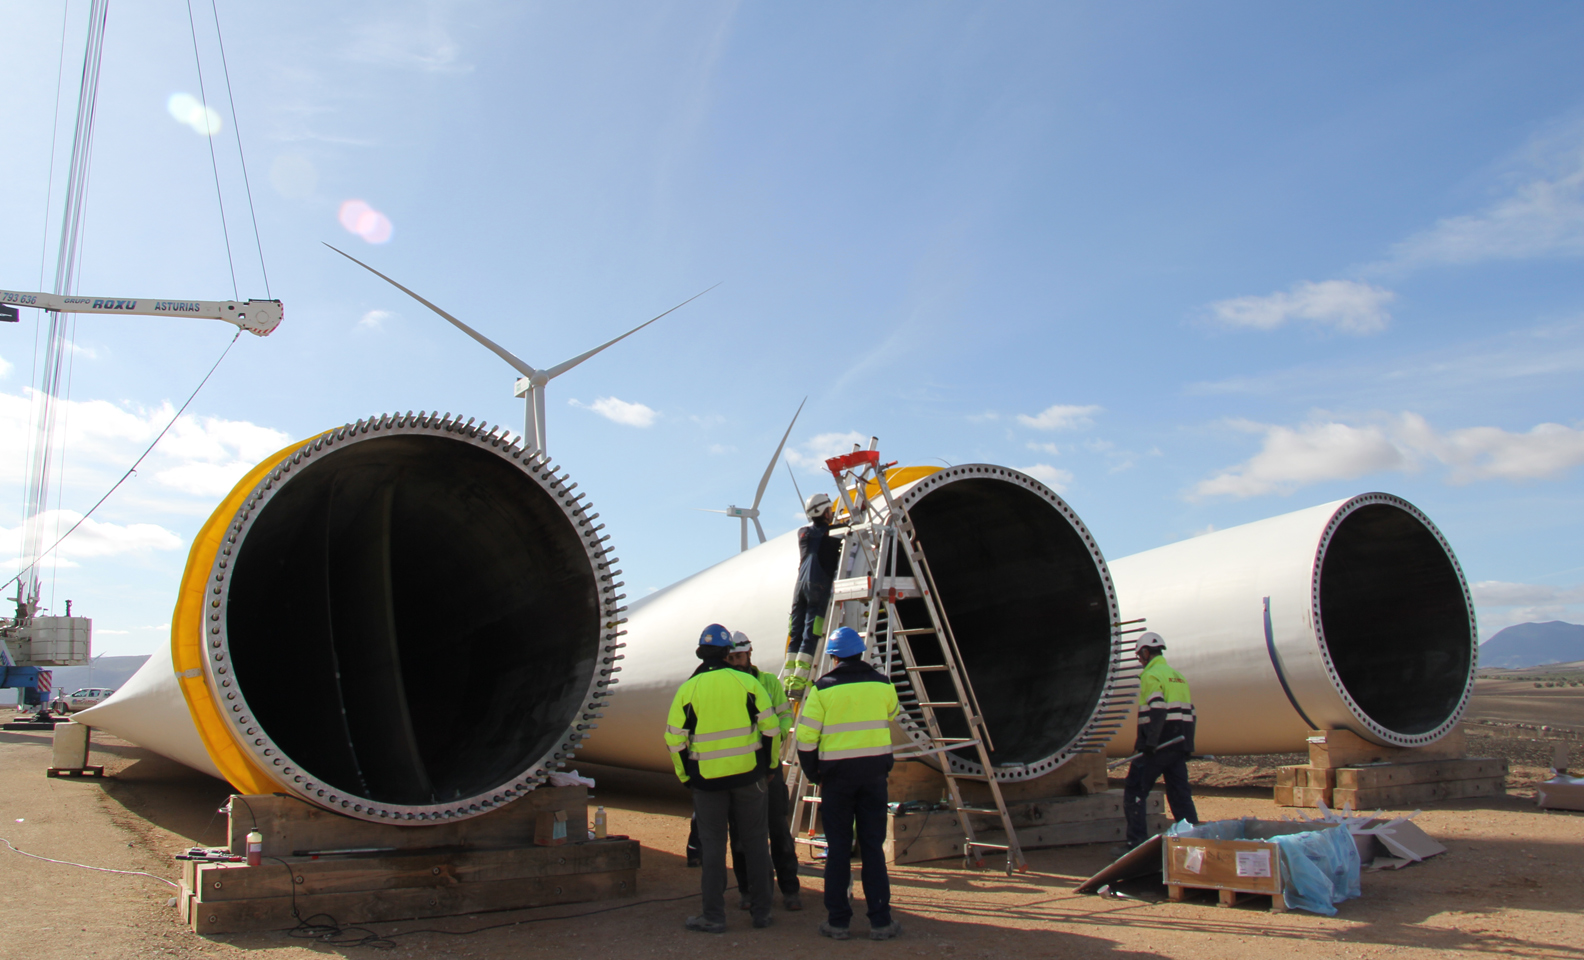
[[360, 218], [188, 109]]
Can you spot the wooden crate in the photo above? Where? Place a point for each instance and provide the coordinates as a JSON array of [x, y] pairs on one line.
[[916, 837], [1234, 868], [483, 863]]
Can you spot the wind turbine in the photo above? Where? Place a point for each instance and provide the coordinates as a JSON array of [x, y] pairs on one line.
[[533, 381], [752, 513]]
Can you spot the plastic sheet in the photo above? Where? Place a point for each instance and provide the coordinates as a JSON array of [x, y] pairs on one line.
[[1322, 869]]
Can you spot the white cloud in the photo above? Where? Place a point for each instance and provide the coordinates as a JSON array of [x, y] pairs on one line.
[[1060, 417], [1344, 305], [95, 538], [1543, 216], [1499, 593], [813, 453], [1503, 604], [1049, 448], [103, 439], [5, 368], [1052, 477], [374, 319], [1321, 450], [620, 411]]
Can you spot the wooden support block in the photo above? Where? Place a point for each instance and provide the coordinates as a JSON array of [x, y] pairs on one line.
[[1228, 898], [1343, 748], [1284, 796], [214, 882], [74, 772], [267, 913], [290, 825], [1081, 774], [1414, 794], [1430, 771], [915, 780], [1175, 893]]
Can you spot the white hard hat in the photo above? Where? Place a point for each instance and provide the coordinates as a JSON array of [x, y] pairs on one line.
[[1151, 641], [741, 643], [816, 505]]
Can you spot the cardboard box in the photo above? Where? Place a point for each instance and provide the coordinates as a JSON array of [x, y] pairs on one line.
[[550, 828], [1560, 794]]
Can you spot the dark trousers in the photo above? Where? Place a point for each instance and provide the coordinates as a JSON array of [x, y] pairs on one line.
[[745, 807], [842, 805], [1141, 778], [783, 852], [806, 625]]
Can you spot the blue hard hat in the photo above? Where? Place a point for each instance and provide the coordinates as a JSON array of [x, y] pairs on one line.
[[715, 635], [845, 642]]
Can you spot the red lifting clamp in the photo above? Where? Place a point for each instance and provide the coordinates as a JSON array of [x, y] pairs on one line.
[[849, 460]]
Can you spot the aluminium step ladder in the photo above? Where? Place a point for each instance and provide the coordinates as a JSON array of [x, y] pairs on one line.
[[881, 565]]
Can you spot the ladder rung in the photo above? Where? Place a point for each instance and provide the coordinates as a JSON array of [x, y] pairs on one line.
[[942, 703], [912, 631], [953, 740], [927, 668], [988, 846], [994, 810], [810, 799]]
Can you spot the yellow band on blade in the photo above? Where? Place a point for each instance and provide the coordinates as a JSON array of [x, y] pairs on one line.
[[218, 732]]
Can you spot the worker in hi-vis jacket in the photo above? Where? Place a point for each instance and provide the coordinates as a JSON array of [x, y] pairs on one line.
[[844, 745], [719, 731], [818, 553], [1165, 714]]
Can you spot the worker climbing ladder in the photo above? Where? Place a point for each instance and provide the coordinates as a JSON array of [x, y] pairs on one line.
[[882, 563]]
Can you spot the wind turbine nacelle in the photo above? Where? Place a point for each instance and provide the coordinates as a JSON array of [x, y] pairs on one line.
[[349, 582], [524, 385], [745, 513]]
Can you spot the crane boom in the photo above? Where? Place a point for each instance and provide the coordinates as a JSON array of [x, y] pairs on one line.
[[258, 317]]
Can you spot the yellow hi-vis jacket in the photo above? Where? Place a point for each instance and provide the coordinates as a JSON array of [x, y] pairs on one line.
[[714, 728], [1165, 708], [846, 724], [782, 708]]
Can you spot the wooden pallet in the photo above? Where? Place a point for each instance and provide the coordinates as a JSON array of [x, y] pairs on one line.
[[483, 863], [1345, 769]]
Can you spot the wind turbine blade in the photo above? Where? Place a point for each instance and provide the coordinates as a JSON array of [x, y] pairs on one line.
[[489, 344], [764, 481], [795, 486], [561, 368], [760, 529], [706, 510]]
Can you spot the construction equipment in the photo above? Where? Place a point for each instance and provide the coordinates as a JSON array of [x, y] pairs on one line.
[[881, 563]]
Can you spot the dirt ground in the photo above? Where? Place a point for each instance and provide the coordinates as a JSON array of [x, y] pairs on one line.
[[1508, 885]]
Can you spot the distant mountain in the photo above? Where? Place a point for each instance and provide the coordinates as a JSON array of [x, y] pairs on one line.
[[1533, 644]]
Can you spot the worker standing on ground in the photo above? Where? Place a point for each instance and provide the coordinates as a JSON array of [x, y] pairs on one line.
[[818, 553], [716, 731], [1165, 712], [783, 852], [844, 745]]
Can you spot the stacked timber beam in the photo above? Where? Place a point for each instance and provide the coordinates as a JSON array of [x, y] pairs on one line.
[[1346, 770], [319, 862], [1069, 805]]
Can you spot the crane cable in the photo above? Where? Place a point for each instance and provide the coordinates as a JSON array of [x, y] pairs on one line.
[[135, 464]]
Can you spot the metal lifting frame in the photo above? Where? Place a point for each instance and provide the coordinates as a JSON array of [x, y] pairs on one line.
[[866, 592]]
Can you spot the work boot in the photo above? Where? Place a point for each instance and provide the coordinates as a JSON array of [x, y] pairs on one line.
[[746, 903], [890, 931], [835, 933], [793, 900], [701, 925], [761, 924]]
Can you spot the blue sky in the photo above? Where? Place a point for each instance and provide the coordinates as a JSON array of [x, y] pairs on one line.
[[1195, 265]]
